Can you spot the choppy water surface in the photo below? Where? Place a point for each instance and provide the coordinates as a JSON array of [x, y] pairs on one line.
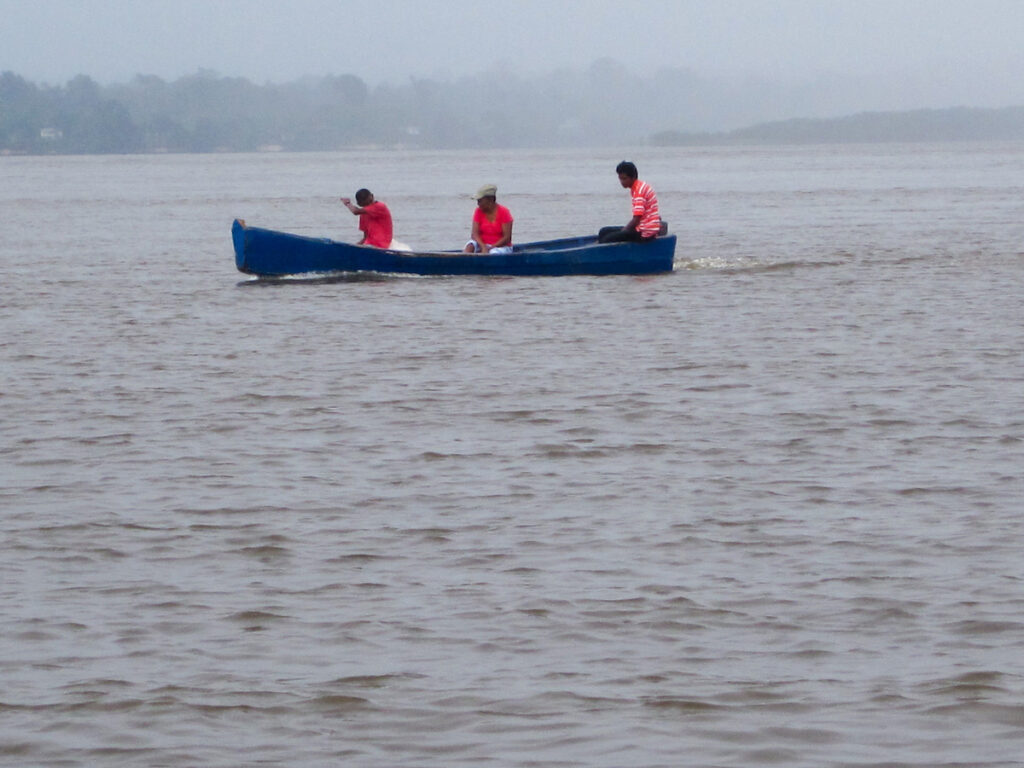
[[765, 510]]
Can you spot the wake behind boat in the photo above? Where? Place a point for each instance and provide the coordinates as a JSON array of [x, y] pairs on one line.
[[268, 253]]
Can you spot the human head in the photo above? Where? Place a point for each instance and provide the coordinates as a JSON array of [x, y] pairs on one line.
[[486, 196], [627, 173], [364, 197]]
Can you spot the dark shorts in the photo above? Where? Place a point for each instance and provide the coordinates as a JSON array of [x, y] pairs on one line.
[[620, 235]]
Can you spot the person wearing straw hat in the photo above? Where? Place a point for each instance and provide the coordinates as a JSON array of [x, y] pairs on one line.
[[492, 224]]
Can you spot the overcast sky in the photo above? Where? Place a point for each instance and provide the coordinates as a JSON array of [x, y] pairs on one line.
[[960, 51]]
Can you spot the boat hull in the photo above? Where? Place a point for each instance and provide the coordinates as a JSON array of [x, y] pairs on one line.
[[268, 253]]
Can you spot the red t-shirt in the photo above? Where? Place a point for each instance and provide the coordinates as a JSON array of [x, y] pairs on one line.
[[375, 223], [491, 231]]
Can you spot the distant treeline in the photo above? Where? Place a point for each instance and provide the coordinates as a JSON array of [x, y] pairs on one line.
[[603, 105], [922, 125], [208, 113]]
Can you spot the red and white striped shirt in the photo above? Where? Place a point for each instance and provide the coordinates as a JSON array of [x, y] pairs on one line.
[[645, 205]]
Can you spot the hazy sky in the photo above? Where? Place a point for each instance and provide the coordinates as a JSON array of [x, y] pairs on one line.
[[960, 50]]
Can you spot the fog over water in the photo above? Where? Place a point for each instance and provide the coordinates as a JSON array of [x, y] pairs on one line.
[[869, 55]]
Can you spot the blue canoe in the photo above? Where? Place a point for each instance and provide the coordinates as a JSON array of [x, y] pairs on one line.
[[267, 253]]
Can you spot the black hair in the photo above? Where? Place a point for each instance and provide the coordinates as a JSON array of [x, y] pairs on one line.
[[363, 196], [627, 168]]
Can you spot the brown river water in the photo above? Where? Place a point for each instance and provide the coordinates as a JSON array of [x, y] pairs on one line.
[[766, 510]]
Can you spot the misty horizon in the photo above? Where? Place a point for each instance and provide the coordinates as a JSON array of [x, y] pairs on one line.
[[818, 95], [209, 113], [849, 57], [692, 102]]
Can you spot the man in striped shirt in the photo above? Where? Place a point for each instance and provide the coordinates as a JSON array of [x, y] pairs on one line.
[[646, 223]]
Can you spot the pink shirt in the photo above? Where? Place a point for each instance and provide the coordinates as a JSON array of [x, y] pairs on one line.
[[375, 223], [491, 231], [645, 205]]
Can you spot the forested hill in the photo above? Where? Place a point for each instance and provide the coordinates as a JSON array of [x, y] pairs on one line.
[[209, 113], [956, 124], [603, 105]]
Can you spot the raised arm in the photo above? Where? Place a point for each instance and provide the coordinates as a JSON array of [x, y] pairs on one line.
[[347, 202]]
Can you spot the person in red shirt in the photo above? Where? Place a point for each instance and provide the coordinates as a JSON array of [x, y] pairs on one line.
[[374, 219], [492, 224], [646, 222]]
